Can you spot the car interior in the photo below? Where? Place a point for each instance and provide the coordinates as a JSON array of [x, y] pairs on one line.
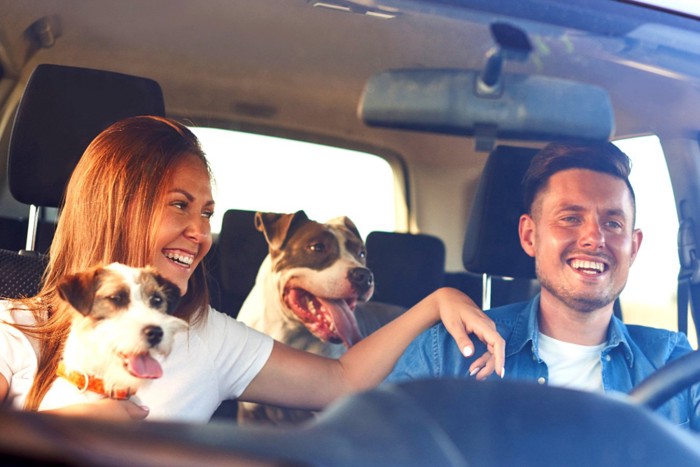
[[458, 95]]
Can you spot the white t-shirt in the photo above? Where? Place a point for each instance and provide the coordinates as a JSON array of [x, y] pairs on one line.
[[18, 355], [572, 365], [213, 361]]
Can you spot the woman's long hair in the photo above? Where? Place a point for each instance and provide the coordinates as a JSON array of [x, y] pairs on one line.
[[111, 213]]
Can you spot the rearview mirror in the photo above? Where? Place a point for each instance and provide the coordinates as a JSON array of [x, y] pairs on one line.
[[450, 101]]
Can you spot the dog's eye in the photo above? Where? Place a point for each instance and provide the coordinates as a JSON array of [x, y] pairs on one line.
[[318, 247], [362, 254], [156, 301], [116, 299]]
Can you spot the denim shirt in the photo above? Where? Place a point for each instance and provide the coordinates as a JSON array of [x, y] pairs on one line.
[[632, 353]]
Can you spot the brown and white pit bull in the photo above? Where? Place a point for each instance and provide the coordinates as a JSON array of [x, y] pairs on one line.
[[306, 292]]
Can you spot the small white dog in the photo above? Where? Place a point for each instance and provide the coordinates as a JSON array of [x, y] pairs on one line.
[[121, 325]]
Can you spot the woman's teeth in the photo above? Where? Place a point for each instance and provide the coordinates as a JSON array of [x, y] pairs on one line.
[[182, 259]]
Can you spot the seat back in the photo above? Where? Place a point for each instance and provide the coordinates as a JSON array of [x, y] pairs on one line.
[[491, 244], [20, 274], [407, 267], [13, 234], [61, 111], [234, 262]]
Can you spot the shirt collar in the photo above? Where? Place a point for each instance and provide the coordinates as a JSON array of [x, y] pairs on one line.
[[617, 337], [526, 329]]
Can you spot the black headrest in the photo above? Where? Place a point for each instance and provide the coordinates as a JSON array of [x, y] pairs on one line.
[[62, 110], [407, 267], [491, 244]]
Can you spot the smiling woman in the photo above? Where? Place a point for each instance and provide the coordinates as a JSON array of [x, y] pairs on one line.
[[262, 173]]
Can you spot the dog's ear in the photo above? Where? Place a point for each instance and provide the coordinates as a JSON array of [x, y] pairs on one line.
[[351, 226], [171, 291], [79, 289], [278, 227], [344, 221]]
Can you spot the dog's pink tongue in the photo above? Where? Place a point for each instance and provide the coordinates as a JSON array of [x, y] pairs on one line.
[[344, 319], [144, 366]]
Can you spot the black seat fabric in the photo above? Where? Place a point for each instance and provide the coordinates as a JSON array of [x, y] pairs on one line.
[[20, 274], [407, 267], [13, 234], [491, 244], [234, 263]]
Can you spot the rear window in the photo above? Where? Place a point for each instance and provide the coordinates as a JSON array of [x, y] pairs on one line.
[[262, 173]]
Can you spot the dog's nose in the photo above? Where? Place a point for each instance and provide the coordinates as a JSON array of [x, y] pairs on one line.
[[154, 334], [361, 278]]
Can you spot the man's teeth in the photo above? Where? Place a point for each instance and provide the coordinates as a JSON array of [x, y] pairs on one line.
[[588, 265], [184, 259]]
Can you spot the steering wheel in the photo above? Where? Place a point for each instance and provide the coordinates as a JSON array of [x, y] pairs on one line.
[[668, 381]]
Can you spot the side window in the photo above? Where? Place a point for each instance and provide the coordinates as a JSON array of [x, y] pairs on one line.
[[650, 295], [262, 173]]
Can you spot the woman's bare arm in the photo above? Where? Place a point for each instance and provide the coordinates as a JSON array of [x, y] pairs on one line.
[[294, 378], [4, 388], [106, 409]]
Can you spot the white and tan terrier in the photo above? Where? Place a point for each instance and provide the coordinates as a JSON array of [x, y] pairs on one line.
[[121, 327]]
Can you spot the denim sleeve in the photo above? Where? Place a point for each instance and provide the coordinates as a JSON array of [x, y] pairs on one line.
[[416, 361], [433, 354]]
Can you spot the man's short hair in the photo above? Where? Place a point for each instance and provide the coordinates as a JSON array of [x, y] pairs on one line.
[[599, 157]]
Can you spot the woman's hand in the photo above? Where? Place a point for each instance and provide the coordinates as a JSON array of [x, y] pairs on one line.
[[462, 317], [105, 409]]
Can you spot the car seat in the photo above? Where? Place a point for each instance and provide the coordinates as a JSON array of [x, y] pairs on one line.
[[234, 261], [62, 109], [491, 243], [407, 267]]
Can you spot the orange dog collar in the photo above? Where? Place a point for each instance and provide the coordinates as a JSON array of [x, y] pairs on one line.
[[85, 382]]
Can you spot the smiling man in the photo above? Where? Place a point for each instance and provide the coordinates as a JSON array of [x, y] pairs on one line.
[[579, 227]]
